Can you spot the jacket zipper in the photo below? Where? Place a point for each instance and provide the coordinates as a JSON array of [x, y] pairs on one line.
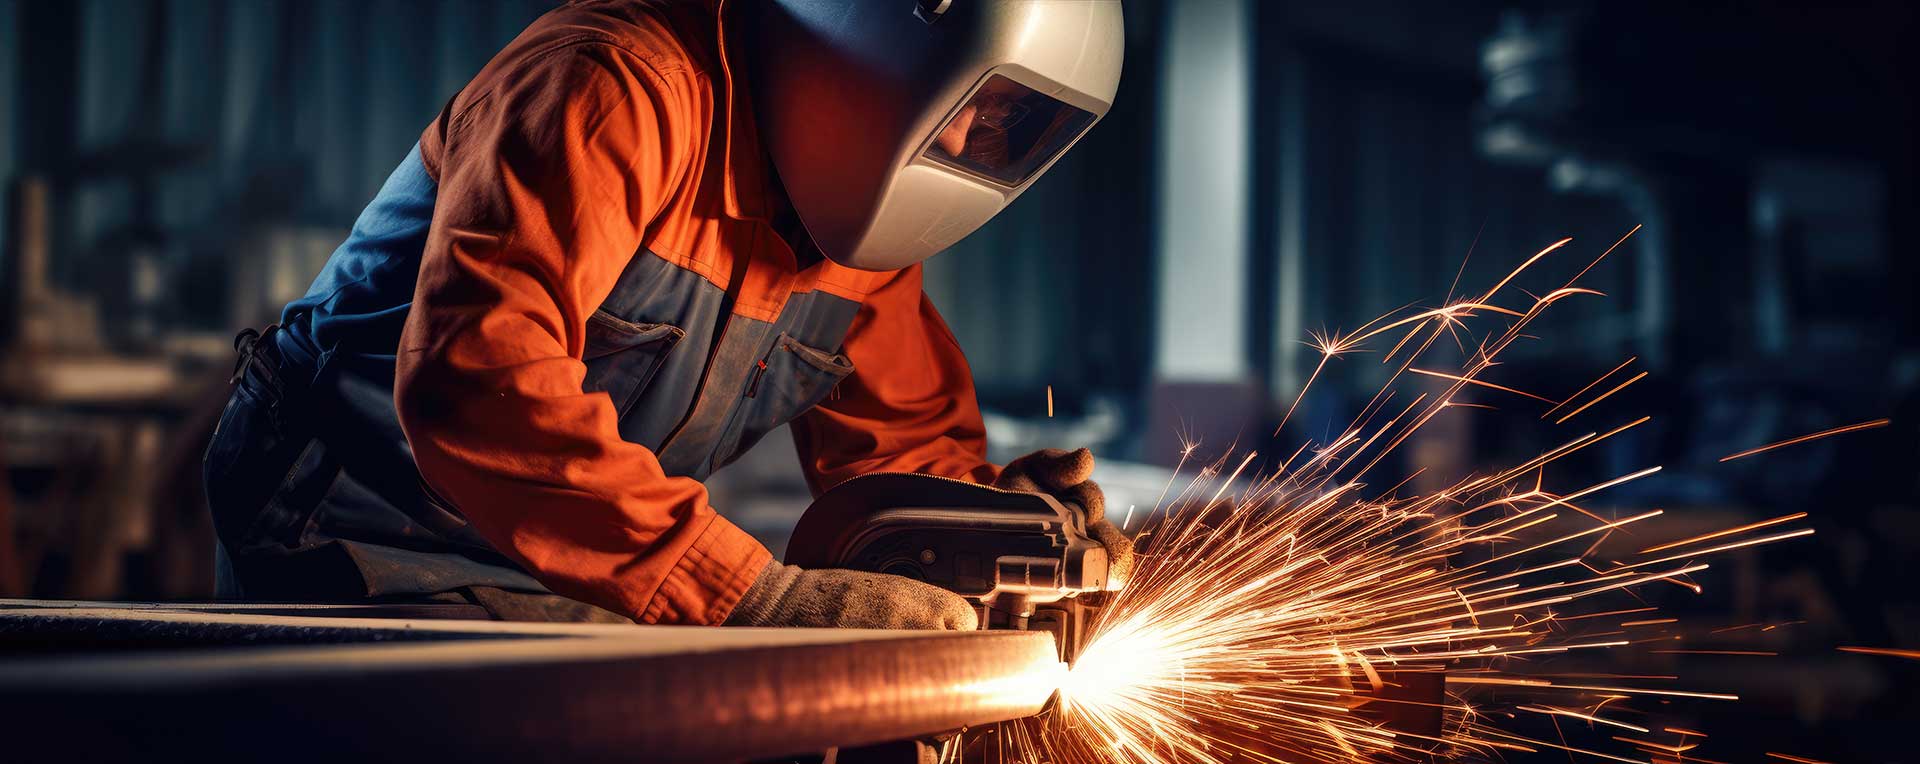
[[759, 370]]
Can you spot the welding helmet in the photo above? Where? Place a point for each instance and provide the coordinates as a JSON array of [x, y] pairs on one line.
[[900, 126]]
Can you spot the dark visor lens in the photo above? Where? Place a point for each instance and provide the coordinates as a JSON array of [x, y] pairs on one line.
[[1006, 132]]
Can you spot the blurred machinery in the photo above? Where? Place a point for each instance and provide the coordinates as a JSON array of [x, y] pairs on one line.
[[1764, 160], [1783, 123], [94, 448]]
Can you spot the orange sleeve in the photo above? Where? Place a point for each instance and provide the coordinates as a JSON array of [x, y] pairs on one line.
[[909, 405], [546, 182]]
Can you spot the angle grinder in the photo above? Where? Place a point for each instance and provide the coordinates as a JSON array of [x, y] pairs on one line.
[[1023, 560]]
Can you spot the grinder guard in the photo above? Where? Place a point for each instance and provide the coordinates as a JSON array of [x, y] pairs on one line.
[[1022, 559]]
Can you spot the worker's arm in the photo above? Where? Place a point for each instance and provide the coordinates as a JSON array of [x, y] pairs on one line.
[[546, 182], [909, 404]]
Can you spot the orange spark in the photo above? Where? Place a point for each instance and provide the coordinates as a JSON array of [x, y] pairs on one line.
[[1799, 759], [1891, 651], [1732, 546], [1804, 438], [1668, 748], [1590, 385], [1712, 652], [1603, 255], [1727, 532], [1480, 382], [1603, 396], [1587, 717], [1608, 613]]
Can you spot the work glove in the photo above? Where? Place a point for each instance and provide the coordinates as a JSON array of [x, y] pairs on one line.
[[1067, 477], [786, 595]]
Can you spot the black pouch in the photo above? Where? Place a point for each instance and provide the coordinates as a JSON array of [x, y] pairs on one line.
[[258, 441]]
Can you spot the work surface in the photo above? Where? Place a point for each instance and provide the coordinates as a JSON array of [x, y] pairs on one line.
[[112, 681]]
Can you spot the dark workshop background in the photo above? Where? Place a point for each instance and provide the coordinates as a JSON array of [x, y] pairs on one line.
[[178, 169]]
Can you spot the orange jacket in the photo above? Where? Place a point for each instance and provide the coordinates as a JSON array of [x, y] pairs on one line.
[[614, 138]]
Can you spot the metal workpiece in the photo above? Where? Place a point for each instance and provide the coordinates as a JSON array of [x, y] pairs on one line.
[[488, 691]]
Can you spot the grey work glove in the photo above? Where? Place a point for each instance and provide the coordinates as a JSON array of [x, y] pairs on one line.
[[1067, 477], [786, 595]]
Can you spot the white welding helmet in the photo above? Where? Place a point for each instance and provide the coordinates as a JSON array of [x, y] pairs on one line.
[[900, 126]]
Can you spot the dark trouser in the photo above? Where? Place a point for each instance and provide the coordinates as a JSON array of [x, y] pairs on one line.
[[310, 502]]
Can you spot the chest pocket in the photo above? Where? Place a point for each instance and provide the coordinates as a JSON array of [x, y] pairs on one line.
[[622, 356], [792, 378]]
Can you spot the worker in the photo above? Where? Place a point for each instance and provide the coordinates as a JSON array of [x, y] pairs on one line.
[[644, 236]]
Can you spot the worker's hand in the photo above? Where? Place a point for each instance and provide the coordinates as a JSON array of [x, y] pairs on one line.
[[786, 595], [1068, 477]]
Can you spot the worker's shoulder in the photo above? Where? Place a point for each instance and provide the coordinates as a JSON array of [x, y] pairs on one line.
[[673, 40], [585, 51]]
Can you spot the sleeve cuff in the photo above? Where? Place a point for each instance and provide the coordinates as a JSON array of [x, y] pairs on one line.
[[709, 579]]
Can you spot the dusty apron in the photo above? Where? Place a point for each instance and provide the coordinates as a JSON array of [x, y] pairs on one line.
[[314, 491]]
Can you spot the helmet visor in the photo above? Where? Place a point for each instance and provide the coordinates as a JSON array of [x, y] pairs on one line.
[[1006, 132]]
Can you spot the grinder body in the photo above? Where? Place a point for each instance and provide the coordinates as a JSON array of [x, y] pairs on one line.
[[1023, 560]]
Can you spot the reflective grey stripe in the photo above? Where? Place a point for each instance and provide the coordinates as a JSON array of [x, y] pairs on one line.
[[652, 290]]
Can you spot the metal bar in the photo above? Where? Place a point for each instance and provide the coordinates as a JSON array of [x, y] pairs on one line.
[[485, 691]]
